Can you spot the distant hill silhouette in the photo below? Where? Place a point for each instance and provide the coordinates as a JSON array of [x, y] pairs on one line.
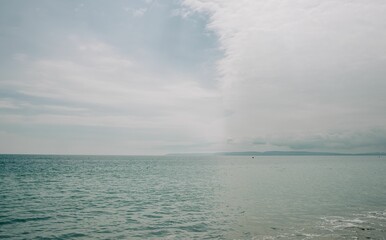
[[285, 153]]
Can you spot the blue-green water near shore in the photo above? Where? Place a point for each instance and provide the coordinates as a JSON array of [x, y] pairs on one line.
[[182, 197]]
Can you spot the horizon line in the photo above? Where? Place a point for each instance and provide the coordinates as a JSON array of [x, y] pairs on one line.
[[232, 153]]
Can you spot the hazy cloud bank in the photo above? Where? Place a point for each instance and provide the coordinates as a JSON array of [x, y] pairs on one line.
[[303, 73]]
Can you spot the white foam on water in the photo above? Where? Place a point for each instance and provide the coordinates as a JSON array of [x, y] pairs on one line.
[[267, 238], [368, 223], [380, 215], [338, 223], [356, 220]]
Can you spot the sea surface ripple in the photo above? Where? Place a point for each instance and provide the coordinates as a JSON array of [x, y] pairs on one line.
[[180, 197]]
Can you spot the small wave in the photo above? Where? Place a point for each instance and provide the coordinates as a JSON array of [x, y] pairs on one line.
[[368, 225], [363, 225], [23, 220], [380, 215], [200, 227], [71, 235], [357, 219], [152, 216], [337, 223]]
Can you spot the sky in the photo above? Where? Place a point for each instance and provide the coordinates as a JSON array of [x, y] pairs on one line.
[[192, 76]]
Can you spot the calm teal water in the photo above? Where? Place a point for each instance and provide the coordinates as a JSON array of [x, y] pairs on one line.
[[111, 197]]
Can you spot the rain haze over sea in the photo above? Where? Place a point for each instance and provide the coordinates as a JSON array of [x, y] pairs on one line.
[[196, 197]]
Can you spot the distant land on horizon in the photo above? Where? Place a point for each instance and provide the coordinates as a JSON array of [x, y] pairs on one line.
[[282, 153], [241, 153]]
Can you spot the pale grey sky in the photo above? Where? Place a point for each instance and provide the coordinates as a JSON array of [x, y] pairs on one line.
[[154, 77]]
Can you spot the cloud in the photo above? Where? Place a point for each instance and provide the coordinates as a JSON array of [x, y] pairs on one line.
[[8, 104], [97, 86], [139, 12], [302, 75], [370, 140], [300, 69]]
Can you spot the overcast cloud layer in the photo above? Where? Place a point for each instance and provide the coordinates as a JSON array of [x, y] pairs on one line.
[[306, 74], [153, 77]]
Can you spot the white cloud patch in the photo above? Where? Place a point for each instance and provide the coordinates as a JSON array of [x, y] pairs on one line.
[[136, 12], [294, 70], [139, 12]]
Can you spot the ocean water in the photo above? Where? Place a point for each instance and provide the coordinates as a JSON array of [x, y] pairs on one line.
[[182, 197]]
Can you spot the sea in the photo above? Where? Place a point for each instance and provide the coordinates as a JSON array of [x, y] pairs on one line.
[[192, 197]]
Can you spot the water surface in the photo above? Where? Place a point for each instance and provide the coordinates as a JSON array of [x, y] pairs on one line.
[[177, 197]]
